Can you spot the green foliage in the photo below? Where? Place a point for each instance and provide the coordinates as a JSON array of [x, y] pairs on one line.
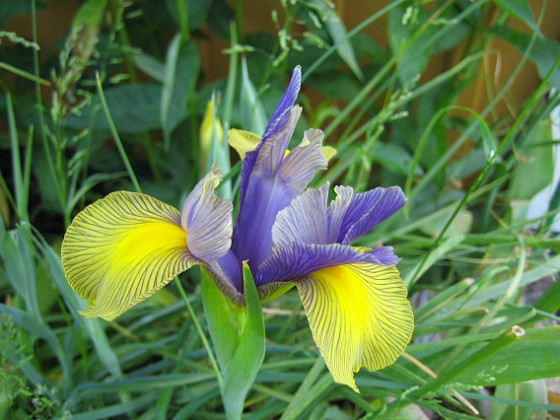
[[238, 336], [117, 103]]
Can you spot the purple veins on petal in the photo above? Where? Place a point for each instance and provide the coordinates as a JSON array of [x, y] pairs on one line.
[[280, 118], [304, 220], [303, 162], [207, 219], [367, 210], [297, 259], [270, 179], [273, 150], [308, 219]]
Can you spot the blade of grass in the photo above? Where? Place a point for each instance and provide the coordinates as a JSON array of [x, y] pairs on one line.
[[116, 136]]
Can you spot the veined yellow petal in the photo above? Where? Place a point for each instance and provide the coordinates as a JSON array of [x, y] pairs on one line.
[[122, 249], [359, 316]]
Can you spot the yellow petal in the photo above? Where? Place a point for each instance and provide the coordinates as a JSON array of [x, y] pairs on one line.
[[243, 141], [359, 316], [122, 249], [329, 152]]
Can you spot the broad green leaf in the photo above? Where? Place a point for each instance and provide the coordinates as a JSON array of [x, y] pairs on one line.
[[134, 108], [395, 158], [535, 168], [521, 9], [197, 11], [550, 299], [532, 356], [223, 319], [150, 65], [532, 391], [182, 64], [337, 31], [543, 53]]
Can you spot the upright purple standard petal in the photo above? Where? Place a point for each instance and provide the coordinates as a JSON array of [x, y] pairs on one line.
[[286, 102], [279, 119], [271, 180]]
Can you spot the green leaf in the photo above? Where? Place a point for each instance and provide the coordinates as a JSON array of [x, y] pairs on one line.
[[337, 31], [544, 52], [242, 369], [533, 391], [92, 327], [150, 65], [252, 110], [532, 356], [90, 14], [536, 166], [134, 108], [182, 65], [238, 336], [521, 9], [20, 270], [197, 11], [394, 158]]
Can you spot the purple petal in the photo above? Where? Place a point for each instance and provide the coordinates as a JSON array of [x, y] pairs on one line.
[[230, 269], [303, 162], [280, 118], [207, 219], [270, 180], [252, 238], [384, 255], [367, 210], [297, 260], [273, 148], [286, 102], [337, 210], [304, 221]]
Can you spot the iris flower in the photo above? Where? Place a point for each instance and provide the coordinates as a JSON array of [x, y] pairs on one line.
[[126, 246]]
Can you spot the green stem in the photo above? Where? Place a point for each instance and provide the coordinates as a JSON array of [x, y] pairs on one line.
[[505, 142], [116, 136], [183, 19], [205, 342], [448, 376]]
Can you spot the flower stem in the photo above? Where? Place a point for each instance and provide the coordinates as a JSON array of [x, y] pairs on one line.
[[200, 333], [116, 136]]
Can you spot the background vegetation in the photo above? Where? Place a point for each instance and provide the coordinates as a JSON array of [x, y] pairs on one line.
[[124, 90]]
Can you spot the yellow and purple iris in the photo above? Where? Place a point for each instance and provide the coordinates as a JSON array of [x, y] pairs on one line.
[[126, 246]]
